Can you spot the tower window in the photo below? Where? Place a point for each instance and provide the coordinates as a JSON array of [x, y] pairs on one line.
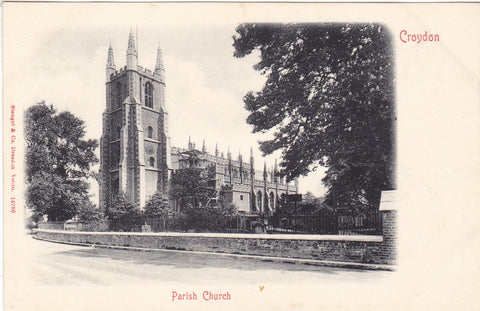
[[149, 132], [151, 162], [149, 95]]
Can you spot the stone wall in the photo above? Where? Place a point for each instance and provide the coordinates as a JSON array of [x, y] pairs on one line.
[[51, 225], [356, 249], [381, 249]]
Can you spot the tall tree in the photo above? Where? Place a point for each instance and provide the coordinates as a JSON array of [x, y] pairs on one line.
[[124, 215], [190, 187], [328, 100], [158, 206], [58, 162]]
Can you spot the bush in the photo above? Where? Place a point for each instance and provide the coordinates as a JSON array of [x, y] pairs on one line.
[[89, 213], [158, 206], [124, 215]]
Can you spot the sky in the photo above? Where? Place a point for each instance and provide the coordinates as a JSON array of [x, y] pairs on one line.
[[205, 83]]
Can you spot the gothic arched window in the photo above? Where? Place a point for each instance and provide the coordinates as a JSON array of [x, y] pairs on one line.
[[266, 204], [259, 200], [151, 162], [149, 132], [149, 95], [272, 201], [254, 207]]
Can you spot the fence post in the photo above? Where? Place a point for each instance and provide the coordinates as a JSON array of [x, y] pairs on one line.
[[388, 210]]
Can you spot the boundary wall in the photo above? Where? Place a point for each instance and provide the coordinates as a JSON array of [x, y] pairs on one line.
[[366, 249], [344, 248]]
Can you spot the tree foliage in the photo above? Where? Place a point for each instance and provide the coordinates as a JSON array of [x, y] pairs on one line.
[[310, 205], [207, 219], [158, 206], [124, 215], [89, 213], [328, 100], [190, 186], [58, 162]]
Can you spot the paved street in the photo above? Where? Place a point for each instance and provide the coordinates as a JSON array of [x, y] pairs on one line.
[[54, 263]]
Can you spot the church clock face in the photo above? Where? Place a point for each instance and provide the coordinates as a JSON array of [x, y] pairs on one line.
[[150, 150]]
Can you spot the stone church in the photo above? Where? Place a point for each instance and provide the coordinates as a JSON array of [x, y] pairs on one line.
[[136, 157]]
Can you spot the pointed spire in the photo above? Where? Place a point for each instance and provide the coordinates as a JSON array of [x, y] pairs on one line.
[[276, 167], [239, 156], [252, 165], [229, 155], [265, 169], [110, 59], [216, 149], [132, 49], [189, 143], [132, 58], [110, 68], [159, 65], [204, 149], [136, 36]]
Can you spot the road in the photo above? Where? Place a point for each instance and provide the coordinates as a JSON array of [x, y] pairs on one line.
[[51, 276], [53, 263]]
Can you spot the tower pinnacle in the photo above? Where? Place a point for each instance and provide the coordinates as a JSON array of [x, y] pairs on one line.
[[132, 57], [110, 68], [110, 59], [159, 64], [132, 49], [252, 164], [159, 68]]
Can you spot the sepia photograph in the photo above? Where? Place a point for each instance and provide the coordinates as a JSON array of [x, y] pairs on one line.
[[232, 155]]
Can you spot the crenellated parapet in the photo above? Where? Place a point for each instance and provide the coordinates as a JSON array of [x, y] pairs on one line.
[[147, 73]]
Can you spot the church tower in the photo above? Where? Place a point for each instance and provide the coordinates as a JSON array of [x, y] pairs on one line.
[[135, 146]]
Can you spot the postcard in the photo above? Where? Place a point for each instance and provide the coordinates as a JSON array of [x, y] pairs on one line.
[[239, 156]]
